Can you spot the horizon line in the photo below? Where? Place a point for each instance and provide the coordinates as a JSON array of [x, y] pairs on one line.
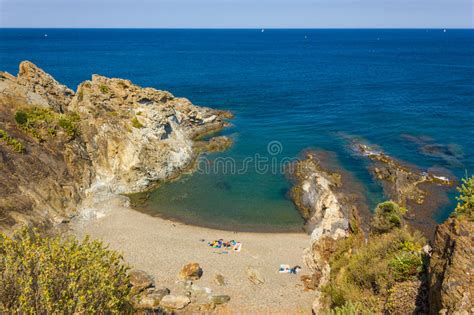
[[248, 28]]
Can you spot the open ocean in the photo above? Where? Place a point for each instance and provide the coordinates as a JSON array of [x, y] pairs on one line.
[[403, 90]]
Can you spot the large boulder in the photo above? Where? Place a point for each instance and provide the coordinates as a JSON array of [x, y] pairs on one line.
[[140, 280], [150, 299], [191, 271], [175, 302]]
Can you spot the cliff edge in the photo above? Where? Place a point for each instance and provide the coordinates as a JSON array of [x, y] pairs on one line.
[[451, 268]]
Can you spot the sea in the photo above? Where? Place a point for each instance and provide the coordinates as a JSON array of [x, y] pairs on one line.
[[408, 92]]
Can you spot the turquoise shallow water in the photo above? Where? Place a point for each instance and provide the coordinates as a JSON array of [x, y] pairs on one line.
[[409, 91]]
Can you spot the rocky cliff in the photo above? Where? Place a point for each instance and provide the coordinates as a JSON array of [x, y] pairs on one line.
[[384, 272], [451, 268], [59, 148], [330, 213]]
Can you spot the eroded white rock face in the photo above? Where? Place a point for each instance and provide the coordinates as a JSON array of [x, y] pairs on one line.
[[327, 216], [133, 135]]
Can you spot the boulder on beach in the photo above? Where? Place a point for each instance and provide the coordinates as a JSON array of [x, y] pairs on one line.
[[191, 271], [140, 280], [175, 302]]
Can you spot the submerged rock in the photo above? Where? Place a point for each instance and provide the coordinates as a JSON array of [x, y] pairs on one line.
[[215, 144], [451, 153], [419, 191]]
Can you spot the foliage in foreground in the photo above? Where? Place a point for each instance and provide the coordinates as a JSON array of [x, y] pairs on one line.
[[388, 215], [42, 275], [465, 206], [364, 272], [350, 308]]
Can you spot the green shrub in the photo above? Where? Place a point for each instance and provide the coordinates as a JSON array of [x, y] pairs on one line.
[[350, 308], [68, 124], [406, 265], [50, 275], [42, 123], [136, 123], [104, 88], [388, 215], [21, 117], [364, 271], [16, 145], [465, 206]]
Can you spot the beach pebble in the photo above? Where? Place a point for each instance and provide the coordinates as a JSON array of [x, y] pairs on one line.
[[150, 300], [219, 279], [220, 299], [176, 302]]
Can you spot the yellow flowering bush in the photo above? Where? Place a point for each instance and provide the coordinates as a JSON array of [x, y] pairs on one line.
[[51, 275]]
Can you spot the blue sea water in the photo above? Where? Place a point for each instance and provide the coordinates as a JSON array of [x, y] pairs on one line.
[[301, 88]]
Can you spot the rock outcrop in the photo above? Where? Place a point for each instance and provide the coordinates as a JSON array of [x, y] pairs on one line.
[[419, 191], [451, 268], [65, 149], [329, 212]]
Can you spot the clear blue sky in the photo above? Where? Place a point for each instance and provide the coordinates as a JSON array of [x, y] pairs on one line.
[[238, 13]]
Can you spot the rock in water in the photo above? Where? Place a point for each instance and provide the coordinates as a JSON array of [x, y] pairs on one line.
[[140, 280], [175, 302], [191, 271], [254, 276]]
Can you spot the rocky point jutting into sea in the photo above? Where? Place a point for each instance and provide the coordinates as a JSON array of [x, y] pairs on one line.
[[66, 149], [64, 153], [352, 261]]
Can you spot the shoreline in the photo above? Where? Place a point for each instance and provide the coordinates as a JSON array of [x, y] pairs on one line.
[[162, 247]]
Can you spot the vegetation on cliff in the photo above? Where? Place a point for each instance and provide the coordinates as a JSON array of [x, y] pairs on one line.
[[465, 207], [50, 275], [15, 144], [42, 123], [370, 272], [388, 215]]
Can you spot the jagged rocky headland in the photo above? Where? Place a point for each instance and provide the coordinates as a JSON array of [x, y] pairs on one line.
[[65, 149]]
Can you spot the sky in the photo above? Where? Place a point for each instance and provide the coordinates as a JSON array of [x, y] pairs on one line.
[[238, 13]]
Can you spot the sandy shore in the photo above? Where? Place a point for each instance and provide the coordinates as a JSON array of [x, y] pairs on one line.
[[162, 247]]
